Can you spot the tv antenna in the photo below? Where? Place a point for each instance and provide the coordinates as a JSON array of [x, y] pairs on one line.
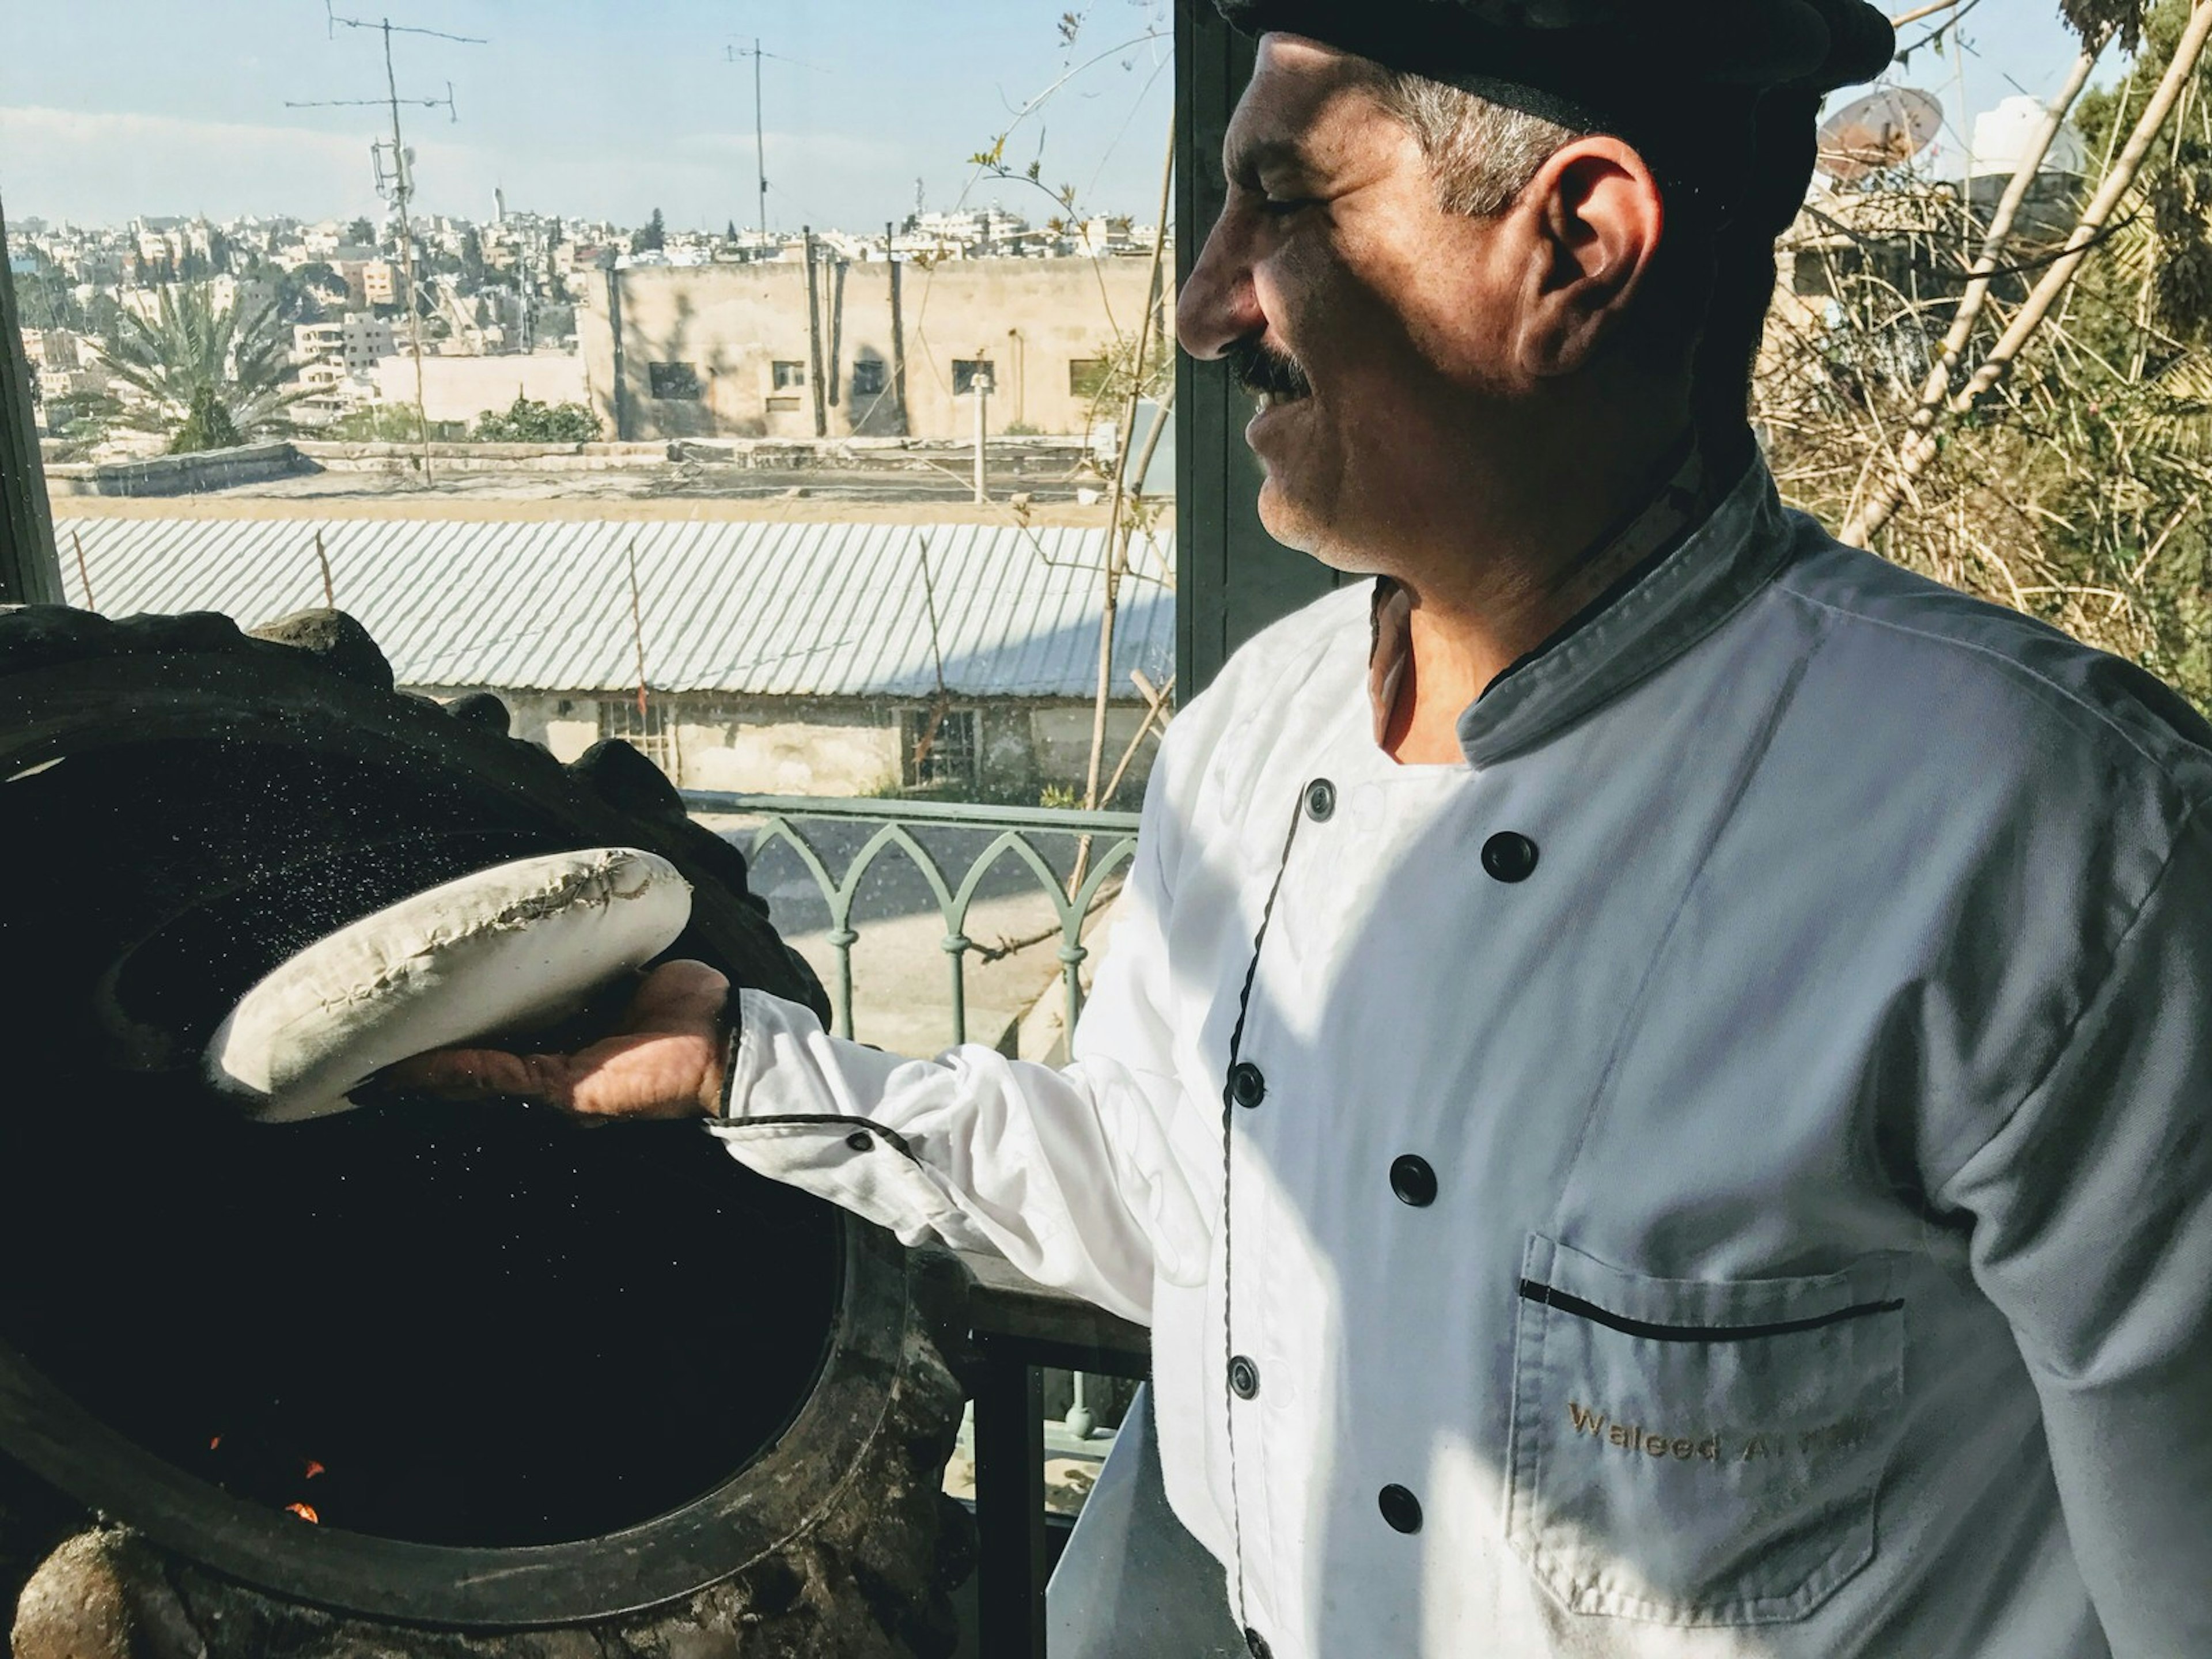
[[394, 165], [760, 141]]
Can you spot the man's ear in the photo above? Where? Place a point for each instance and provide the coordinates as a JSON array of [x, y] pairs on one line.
[[1593, 216]]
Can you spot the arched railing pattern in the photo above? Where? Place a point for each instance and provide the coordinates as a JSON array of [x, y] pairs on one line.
[[1107, 842], [1112, 843]]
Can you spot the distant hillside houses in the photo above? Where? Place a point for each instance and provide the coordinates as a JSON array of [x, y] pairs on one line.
[[779, 657]]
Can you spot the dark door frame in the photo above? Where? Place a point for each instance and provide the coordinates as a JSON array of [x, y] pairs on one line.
[[29, 572], [1232, 578]]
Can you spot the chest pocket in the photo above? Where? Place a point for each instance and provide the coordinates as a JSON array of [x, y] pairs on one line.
[[1695, 1453]]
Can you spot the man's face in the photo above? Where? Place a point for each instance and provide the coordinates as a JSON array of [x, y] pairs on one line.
[[1365, 317]]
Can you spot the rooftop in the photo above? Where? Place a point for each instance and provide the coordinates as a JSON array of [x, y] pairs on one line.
[[761, 606]]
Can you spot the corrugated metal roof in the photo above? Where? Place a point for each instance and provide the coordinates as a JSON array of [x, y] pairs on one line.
[[763, 609]]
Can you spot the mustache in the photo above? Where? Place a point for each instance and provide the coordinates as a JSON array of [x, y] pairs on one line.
[[1259, 368]]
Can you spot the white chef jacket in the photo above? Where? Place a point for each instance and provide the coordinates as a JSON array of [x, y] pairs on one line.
[[1724, 1171]]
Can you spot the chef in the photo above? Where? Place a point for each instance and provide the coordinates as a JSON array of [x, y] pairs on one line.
[[1651, 1079]]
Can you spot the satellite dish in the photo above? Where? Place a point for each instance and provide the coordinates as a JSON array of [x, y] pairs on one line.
[[1884, 129]]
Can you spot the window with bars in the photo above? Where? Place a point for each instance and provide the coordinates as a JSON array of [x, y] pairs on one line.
[[674, 381], [651, 731], [938, 748]]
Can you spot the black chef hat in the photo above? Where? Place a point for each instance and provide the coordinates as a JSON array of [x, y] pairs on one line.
[[1719, 96]]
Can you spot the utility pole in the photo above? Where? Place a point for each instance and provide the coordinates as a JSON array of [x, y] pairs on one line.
[[814, 338], [759, 140], [403, 188], [760, 143], [398, 187], [898, 332], [619, 393], [981, 385], [836, 327]]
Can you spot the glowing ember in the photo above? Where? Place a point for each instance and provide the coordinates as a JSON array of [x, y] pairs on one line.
[[314, 1468], [306, 1512], [213, 1444]]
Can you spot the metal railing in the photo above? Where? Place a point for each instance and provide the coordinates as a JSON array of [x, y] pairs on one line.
[[1101, 845], [1104, 843], [1017, 1333]]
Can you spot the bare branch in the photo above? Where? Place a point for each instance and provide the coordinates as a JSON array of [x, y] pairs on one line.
[[1869, 521], [2056, 282]]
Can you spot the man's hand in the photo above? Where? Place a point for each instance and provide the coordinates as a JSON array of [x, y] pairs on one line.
[[664, 1060]]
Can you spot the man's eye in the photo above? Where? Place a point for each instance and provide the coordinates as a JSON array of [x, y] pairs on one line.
[[1281, 207]]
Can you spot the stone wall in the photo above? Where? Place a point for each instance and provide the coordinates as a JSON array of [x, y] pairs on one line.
[[178, 475], [462, 388], [333, 456], [225, 469], [839, 747]]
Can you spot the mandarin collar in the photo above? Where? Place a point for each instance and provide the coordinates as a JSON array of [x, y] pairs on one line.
[[1715, 567]]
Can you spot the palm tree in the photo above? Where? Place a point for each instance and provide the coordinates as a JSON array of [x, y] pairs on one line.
[[203, 374]]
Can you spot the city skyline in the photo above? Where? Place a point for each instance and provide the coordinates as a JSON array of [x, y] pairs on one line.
[[577, 109]]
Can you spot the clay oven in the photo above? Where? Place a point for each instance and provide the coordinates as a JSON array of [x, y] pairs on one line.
[[471, 1380]]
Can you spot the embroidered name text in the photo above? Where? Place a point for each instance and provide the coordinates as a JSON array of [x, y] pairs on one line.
[[1635, 1437], [1745, 1446]]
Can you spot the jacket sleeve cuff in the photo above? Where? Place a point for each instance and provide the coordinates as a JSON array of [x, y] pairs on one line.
[[734, 1017], [745, 1057]]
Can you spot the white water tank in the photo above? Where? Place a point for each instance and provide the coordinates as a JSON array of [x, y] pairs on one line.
[[2003, 135]]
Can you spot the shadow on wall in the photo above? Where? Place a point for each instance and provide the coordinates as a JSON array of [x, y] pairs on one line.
[[671, 396], [873, 410]]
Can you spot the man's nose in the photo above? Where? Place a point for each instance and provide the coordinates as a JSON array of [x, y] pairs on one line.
[[1218, 305]]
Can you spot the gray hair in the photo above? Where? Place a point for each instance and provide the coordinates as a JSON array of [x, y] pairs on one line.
[[1482, 155]]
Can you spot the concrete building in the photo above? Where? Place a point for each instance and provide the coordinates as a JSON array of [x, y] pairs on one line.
[[225, 293], [462, 388], [2003, 135], [979, 230], [160, 247], [56, 350], [725, 350], [363, 339], [330, 391], [489, 322], [246, 297], [337, 361], [67, 365], [380, 282], [2001, 138], [354, 342], [351, 266], [781, 657], [93, 268]]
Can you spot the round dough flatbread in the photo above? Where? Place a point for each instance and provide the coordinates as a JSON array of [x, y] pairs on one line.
[[502, 951]]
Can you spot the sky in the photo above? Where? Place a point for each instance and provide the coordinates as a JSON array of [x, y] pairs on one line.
[[605, 109]]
